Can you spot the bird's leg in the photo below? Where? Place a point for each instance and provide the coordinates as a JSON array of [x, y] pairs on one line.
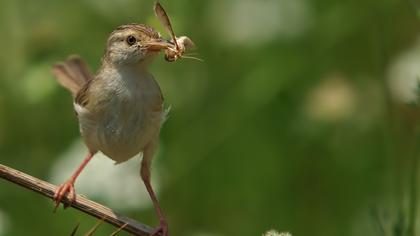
[[68, 186], [145, 175]]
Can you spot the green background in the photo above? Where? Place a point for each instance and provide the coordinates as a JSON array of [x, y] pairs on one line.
[[290, 123]]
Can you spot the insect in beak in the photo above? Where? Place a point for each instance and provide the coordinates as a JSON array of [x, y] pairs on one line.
[[177, 46]]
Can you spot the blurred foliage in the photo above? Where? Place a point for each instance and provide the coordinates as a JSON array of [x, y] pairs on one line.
[[288, 124]]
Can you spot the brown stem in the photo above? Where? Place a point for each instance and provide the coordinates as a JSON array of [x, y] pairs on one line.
[[81, 203]]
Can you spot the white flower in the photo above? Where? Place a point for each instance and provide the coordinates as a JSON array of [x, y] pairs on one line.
[[273, 232]]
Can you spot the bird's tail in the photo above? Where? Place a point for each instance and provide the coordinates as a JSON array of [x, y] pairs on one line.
[[72, 74]]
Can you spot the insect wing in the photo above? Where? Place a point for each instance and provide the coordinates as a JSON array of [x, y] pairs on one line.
[[164, 20]]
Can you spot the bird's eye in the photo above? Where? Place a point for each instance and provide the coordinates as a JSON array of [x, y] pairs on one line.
[[131, 40]]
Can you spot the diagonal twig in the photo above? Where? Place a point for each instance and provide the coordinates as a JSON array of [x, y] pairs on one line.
[[81, 203]]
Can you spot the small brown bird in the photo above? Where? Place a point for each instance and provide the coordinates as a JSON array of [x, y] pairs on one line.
[[120, 110]]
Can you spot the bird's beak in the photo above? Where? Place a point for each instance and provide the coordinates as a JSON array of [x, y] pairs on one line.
[[156, 45]]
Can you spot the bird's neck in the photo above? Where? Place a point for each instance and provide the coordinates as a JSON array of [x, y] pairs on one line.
[[140, 68], [124, 75], [142, 64]]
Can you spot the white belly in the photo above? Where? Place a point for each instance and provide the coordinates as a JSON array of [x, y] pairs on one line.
[[121, 125]]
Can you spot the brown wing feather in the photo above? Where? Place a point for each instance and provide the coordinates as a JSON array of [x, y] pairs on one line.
[[72, 74], [82, 97]]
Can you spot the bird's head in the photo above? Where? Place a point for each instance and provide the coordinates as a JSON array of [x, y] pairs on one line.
[[132, 44]]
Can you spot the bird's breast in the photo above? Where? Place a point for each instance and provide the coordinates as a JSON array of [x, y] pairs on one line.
[[124, 121]]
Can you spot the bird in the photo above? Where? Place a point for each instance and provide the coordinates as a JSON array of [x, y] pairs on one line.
[[120, 109]]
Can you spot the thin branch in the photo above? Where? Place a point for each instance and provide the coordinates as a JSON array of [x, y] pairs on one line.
[[81, 203]]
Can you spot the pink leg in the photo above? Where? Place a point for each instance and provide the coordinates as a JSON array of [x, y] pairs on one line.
[[68, 186], [145, 175]]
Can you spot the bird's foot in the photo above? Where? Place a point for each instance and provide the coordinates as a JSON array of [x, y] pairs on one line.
[[66, 188], [162, 229]]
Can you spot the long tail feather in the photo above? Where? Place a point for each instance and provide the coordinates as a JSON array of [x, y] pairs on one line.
[[72, 74]]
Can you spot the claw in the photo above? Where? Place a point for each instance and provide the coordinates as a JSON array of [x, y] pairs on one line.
[[66, 188], [161, 230]]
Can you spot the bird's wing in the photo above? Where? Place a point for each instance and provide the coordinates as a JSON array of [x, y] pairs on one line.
[[82, 97], [72, 74]]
